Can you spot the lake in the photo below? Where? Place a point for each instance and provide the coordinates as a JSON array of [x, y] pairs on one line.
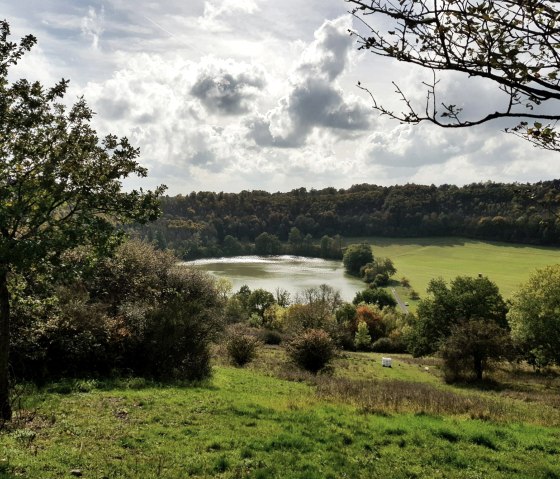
[[292, 273]]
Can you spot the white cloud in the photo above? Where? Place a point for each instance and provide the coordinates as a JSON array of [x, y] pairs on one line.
[[92, 25], [217, 12], [243, 94], [315, 99]]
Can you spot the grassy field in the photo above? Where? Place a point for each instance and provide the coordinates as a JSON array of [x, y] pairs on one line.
[[270, 422], [421, 259]]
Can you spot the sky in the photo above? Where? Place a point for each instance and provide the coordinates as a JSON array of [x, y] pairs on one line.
[[231, 95]]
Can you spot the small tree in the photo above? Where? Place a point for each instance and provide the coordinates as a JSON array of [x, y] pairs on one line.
[[372, 316], [534, 318], [60, 185], [381, 267], [356, 256], [467, 298], [472, 346], [362, 340], [259, 301]]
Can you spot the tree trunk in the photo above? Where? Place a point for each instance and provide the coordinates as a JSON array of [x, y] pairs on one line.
[[478, 367], [5, 407]]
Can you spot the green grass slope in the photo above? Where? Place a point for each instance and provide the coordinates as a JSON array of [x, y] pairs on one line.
[[246, 424], [421, 259]]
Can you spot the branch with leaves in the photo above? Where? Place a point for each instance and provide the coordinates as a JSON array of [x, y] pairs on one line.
[[60, 184], [514, 44]]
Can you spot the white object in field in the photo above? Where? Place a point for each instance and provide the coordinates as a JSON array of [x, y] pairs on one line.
[[386, 362]]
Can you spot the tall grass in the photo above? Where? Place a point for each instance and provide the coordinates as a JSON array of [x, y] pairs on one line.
[[395, 397]]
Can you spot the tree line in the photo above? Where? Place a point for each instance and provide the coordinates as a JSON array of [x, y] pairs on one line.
[[215, 224]]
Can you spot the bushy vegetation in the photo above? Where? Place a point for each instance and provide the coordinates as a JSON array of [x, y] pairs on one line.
[[241, 346], [356, 257], [534, 317], [461, 320], [61, 185], [133, 312], [313, 350], [378, 296]]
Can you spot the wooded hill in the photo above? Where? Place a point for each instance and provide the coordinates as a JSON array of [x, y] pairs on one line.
[[197, 224]]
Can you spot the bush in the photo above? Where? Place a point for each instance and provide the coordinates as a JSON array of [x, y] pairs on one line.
[[268, 336], [133, 311], [241, 347], [176, 343], [375, 296], [313, 350], [386, 345]]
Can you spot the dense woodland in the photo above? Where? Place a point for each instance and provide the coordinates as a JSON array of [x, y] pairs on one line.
[[215, 224]]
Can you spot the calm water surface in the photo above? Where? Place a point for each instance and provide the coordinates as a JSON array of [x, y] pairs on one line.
[[292, 273]]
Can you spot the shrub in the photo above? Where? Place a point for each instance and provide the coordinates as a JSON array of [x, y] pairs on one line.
[[176, 344], [312, 350], [133, 311], [386, 345], [375, 296], [241, 347], [268, 336]]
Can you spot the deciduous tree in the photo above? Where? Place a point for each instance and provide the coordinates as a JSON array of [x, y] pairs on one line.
[[472, 346], [60, 184], [466, 299], [356, 256], [534, 317]]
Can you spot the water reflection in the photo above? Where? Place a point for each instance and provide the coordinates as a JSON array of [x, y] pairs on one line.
[[292, 273]]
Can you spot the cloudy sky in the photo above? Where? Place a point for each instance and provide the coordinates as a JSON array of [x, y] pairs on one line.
[[227, 95]]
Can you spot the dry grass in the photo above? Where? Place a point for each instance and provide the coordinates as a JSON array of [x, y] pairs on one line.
[[514, 393], [394, 396]]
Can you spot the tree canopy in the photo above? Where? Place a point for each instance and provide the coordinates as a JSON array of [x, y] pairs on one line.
[[465, 299], [534, 317], [60, 183], [465, 322], [356, 256], [515, 45]]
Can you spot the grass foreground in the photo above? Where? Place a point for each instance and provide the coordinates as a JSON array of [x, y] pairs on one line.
[[362, 421]]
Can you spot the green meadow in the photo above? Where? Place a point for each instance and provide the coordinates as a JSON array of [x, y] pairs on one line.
[[268, 421], [421, 259]]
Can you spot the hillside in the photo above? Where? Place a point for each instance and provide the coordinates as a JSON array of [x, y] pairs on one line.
[[207, 223]]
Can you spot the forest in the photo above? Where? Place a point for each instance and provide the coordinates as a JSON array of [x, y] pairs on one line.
[[220, 224]]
